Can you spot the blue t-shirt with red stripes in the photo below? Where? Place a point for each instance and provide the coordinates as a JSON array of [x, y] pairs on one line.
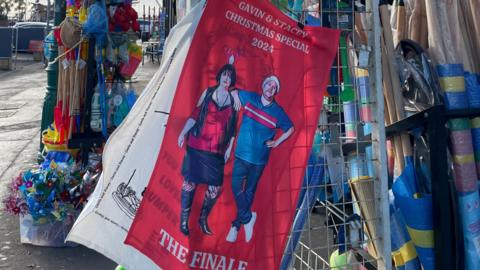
[[258, 126]]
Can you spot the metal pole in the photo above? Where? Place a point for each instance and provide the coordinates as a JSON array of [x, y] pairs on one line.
[[52, 73], [379, 142], [48, 18], [445, 252]]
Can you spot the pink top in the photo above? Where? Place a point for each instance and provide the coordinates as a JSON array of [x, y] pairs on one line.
[[213, 131]]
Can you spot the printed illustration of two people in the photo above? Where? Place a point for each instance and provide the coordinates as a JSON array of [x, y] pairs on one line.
[[210, 133]]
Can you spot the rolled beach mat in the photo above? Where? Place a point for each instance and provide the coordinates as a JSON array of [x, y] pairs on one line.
[[472, 87], [470, 215], [363, 192], [452, 83], [390, 159], [475, 122], [461, 142], [464, 166], [460, 136], [477, 165], [465, 176]]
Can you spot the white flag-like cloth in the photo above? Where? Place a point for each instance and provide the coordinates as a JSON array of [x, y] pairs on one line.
[[129, 157]]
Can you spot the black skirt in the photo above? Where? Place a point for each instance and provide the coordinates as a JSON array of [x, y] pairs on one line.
[[203, 167]]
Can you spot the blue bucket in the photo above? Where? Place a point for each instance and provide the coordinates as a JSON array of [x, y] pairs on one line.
[[357, 166]]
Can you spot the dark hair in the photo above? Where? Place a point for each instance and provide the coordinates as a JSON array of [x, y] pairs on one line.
[[233, 74], [231, 125]]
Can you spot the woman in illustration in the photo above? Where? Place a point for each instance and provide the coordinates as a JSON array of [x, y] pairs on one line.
[[209, 132]]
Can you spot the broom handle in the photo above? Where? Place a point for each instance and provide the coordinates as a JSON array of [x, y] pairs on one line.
[[473, 29], [391, 112], [388, 120], [465, 50], [436, 42], [413, 29], [397, 145], [451, 8], [474, 9], [423, 25], [360, 28], [59, 83], [66, 85], [77, 85], [400, 21], [394, 77], [447, 32], [387, 86], [474, 15], [61, 77], [72, 85], [418, 24], [389, 53]]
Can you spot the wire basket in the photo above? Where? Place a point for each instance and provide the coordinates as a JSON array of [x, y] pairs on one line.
[[342, 219]]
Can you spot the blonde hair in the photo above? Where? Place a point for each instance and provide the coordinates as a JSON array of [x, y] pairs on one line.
[[274, 79]]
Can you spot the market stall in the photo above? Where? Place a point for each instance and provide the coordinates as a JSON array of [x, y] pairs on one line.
[[97, 58], [387, 178]]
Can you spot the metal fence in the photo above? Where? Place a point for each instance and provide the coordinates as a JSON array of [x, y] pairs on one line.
[[342, 220]]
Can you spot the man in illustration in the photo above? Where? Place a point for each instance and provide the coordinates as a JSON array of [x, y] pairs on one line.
[[262, 116]]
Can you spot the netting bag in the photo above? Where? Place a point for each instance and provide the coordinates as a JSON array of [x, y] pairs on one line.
[[97, 22], [70, 32]]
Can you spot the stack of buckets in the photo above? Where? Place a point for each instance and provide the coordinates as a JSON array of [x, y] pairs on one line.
[[476, 142], [361, 170], [363, 89], [360, 166], [362, 111], [465, 173]]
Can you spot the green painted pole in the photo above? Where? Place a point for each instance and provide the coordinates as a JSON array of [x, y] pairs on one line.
[[52, 73]]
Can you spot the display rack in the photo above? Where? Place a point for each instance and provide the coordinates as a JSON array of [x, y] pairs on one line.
[[447, 229], [326, 224]]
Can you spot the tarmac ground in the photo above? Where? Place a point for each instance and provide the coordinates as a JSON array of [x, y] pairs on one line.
[[22, 92]]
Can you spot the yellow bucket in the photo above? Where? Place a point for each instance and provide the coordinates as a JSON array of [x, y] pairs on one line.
[[50, 140]]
